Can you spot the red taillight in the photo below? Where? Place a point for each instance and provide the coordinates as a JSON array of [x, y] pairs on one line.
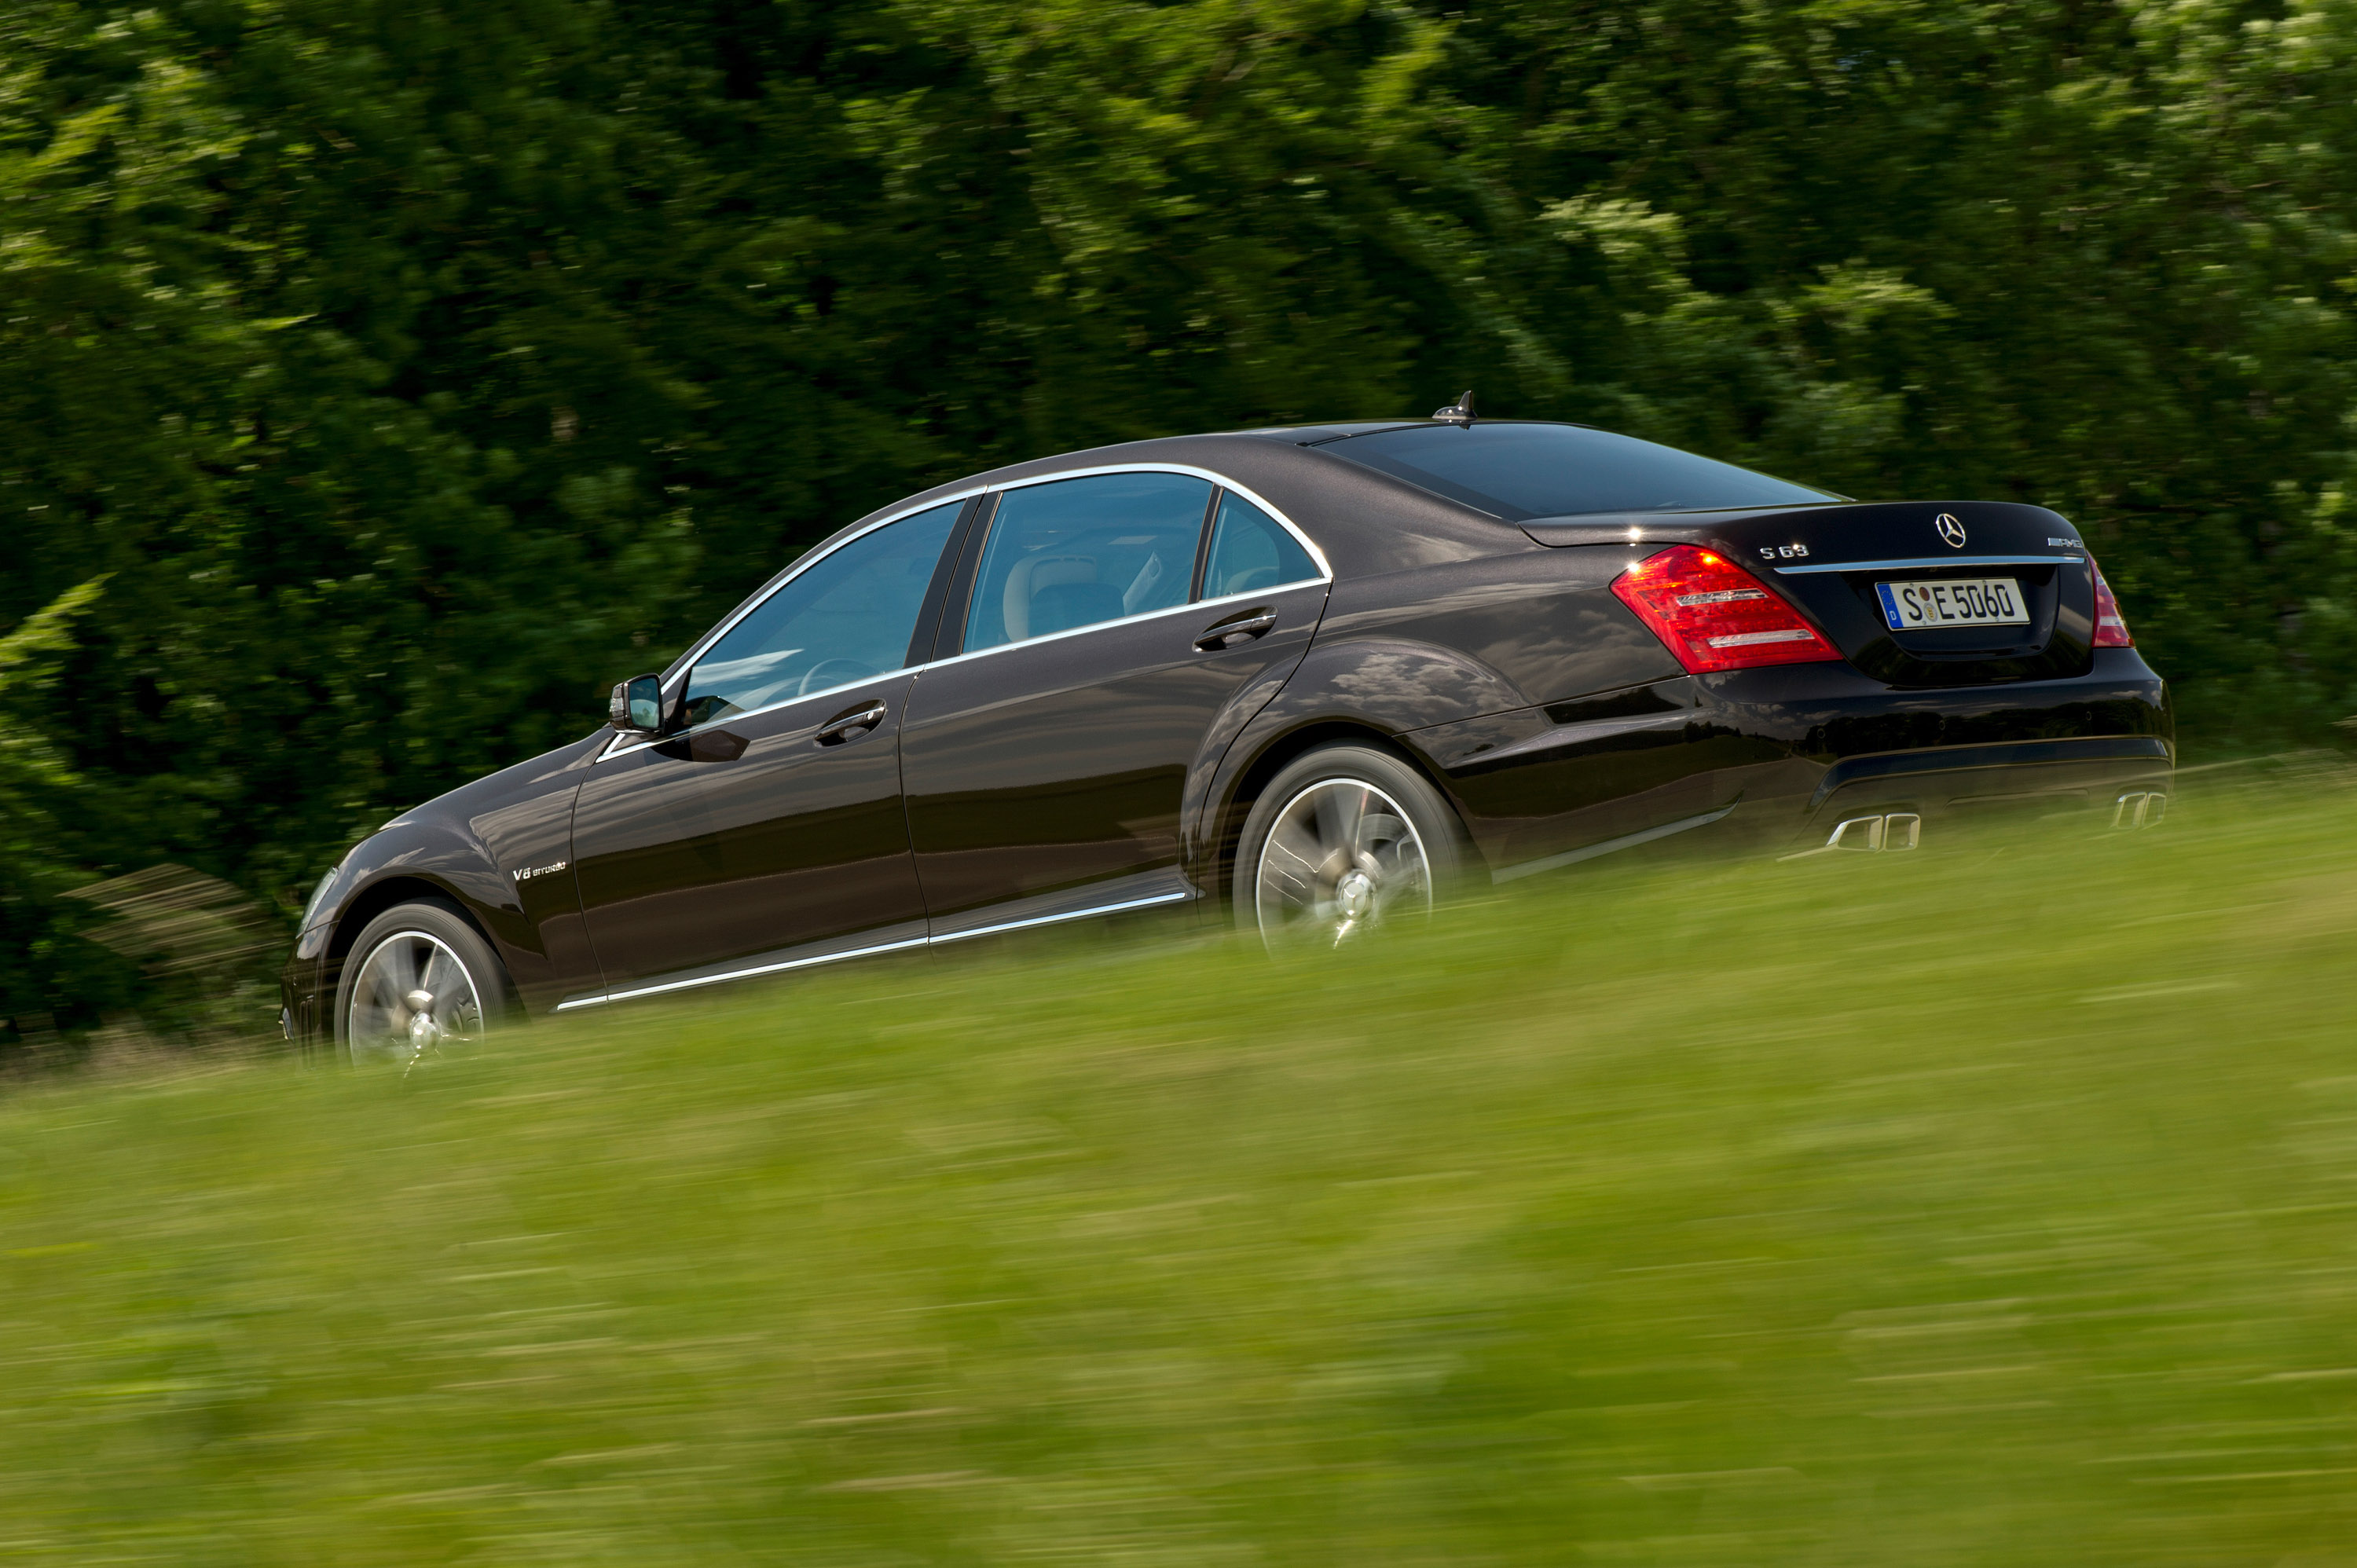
[[2111, 631], [1714, 615]]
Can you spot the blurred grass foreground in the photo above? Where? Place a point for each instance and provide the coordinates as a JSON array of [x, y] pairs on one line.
[[1991, 1204]]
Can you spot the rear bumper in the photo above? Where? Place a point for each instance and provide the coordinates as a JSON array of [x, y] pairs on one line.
[[2095, 771], [1779, 755], [1862, 748]]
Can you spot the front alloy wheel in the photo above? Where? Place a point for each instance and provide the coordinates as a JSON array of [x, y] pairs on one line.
[[421, 984], [411, 996]]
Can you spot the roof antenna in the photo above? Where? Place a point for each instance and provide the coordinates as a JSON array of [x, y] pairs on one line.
[[1458, 412]]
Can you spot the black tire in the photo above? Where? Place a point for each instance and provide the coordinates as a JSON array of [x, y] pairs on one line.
[[1438, 836], [419, 930]]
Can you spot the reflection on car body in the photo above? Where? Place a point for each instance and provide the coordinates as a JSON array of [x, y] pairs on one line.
[[1303, 676]]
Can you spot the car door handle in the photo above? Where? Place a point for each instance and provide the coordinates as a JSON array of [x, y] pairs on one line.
[[851, 725], [1236, 628]]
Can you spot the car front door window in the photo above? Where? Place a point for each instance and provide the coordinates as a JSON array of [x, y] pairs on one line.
[[847, 618]]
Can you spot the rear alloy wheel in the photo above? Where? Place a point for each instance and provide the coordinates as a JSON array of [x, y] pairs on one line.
[[1344, 841], [421, 984]]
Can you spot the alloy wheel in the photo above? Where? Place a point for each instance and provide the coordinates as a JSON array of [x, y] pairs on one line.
[[412, 999], [1340, 859]]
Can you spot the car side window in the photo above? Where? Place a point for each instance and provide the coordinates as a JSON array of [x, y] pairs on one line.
[[849, 617], [1251, 551], [1076, 553]]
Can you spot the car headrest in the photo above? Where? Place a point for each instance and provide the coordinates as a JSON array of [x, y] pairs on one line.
[[1032, 573]]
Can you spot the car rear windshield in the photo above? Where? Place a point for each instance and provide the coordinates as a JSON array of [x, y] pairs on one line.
[[1523, 471]]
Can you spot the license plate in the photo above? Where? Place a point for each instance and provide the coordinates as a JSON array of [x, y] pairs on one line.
[[1952, 601]]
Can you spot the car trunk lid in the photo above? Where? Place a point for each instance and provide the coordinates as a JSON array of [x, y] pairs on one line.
[[1836, 561]]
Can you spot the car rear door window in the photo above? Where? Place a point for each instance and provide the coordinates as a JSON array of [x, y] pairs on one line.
[[1078, 553], [846, 618], [1251, 551]]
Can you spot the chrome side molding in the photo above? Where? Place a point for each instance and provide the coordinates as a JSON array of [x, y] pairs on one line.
[[1626, 841], [900, 938]]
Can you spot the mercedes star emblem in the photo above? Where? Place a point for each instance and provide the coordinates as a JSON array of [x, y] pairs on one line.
[[1950, 530]]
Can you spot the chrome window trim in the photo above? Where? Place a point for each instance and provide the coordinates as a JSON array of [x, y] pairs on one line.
[[1162, 614], [1325, 568], [617, 746], [752, 972], [702, 645], [1918, 563], [616, 749]]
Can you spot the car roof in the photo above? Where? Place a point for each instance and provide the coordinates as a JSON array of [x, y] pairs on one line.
[[1365, 520], [1343, 429], [1336, 430]]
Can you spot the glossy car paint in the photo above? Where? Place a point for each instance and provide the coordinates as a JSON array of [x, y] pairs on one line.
[[478, 847], [1111, 767], [748, 837], [1063, 761]]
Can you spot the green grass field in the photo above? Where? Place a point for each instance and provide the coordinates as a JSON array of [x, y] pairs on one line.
[[1995, 1204]]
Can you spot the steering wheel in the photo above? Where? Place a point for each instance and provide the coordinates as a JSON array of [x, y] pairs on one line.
[[846, 671]]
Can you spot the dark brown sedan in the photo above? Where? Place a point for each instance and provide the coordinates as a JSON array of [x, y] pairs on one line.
[[1302, 678]]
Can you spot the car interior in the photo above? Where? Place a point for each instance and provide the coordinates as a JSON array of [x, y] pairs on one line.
[[1081, 552]]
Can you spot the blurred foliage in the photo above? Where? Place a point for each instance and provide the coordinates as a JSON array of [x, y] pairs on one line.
[[40, 949], [1897, 1232], [417, 369]]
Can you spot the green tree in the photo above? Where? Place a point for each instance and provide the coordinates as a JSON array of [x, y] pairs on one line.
[[45, 968], [416, 368]]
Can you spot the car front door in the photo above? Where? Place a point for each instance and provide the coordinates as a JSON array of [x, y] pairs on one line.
[[1110, 619], [768, 832]]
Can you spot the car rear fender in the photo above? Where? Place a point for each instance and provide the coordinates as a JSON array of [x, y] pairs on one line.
[[1528, 626], [1369, 689]]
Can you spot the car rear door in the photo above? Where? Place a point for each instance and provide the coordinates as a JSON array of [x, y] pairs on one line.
[[1107, 620], [770, 832]]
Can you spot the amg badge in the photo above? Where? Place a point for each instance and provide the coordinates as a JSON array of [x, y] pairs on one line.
[[529, 872]]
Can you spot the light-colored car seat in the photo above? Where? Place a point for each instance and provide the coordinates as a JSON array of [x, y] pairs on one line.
[[1068, 606], [1032, 574]]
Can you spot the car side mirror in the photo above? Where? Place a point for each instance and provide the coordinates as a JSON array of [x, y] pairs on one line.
[[635, 707]]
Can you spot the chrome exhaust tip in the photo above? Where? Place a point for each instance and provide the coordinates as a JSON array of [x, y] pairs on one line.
[[1898, 830], [1867, 835], [2140, 808]]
